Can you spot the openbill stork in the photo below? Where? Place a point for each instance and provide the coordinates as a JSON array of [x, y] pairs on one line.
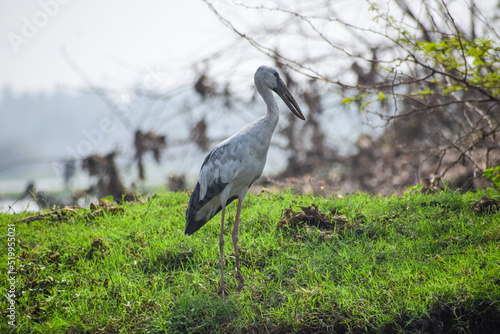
[[233, 165]]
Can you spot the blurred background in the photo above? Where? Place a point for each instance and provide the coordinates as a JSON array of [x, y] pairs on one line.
[[126, 97]]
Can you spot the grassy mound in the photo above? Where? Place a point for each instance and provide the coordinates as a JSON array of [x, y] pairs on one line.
[[346, 264]]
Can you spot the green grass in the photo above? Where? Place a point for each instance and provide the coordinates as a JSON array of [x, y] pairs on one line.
[[415, 263]]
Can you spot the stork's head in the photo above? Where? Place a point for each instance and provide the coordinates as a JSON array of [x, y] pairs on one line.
[[268, 78]]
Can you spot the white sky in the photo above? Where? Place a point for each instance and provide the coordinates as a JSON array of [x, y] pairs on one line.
[[115, 42], [109, 40]]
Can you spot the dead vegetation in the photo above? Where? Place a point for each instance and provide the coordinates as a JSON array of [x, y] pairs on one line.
[[103, 168], [310, 220], [148, 142], [68, 212], [486, 204]]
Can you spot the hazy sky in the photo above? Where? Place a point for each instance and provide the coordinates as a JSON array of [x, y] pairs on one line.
[[111, 41]]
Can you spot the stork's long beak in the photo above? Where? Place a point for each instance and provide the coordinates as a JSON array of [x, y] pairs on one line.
[[287, 97]]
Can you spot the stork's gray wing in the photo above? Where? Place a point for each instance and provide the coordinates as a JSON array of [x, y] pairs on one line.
[[213, 187]]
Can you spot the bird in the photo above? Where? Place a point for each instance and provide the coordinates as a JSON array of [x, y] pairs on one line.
[[235, 164]]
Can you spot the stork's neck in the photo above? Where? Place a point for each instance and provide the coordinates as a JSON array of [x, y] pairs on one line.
[[265, 125], [272, 106]]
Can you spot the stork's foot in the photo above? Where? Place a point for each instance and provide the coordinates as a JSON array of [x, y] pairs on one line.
[[222, 291]]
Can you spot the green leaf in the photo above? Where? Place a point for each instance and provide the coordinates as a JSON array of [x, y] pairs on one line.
[[348, 100], [493, 174], [426, 91]]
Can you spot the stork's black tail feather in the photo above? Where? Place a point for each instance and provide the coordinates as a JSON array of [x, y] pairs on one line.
[[193, 225]]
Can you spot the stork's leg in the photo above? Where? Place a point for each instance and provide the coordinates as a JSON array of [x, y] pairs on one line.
[[234, 236], [222, 289]]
